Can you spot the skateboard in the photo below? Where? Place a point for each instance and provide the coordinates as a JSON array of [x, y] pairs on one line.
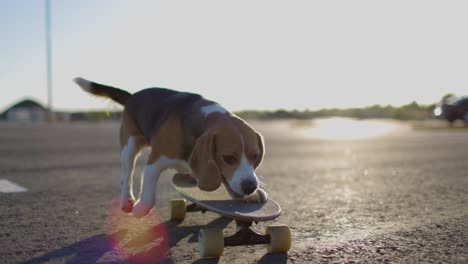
[[277, 238]]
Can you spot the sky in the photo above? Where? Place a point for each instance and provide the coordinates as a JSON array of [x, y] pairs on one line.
[[263, 54]]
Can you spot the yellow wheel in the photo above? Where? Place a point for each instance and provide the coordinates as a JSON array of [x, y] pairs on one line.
[[211, 243], [280, 238], [178, 209]]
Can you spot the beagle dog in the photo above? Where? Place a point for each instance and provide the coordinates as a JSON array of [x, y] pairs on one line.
[[188, 133]]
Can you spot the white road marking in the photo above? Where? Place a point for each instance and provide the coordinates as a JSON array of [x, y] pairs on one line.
[[7, 186]]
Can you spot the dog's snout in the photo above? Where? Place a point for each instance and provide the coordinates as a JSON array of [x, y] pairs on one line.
[[248, 187]]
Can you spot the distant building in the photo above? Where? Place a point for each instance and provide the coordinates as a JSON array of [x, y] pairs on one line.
[[31, 111], [25, 111]]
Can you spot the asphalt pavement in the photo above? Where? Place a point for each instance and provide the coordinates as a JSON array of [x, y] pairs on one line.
[[358, 192]]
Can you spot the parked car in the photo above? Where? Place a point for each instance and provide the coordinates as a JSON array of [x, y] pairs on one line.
[[453, 109]]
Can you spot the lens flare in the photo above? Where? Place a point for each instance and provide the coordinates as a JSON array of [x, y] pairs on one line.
[[136, 240]]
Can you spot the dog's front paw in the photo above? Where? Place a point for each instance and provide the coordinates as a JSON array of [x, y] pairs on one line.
[[140, 210], [127, 205], [259, 196]]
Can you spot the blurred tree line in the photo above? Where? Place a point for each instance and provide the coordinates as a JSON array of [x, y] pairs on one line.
[[96, 116], [411, 111]]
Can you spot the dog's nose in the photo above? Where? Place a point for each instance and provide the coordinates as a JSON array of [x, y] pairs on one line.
[[248, 187]]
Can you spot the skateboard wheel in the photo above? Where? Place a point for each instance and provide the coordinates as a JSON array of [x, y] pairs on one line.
[[280, 238], [211, 243], [178, 209]]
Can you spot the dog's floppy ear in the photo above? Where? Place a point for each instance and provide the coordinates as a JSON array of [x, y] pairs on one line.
[[202, 161], [261, 146]]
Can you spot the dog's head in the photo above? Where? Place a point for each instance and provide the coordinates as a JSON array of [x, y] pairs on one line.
[[228, 152]]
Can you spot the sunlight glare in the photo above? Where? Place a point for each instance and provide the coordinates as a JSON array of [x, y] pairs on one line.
[[349, 129]]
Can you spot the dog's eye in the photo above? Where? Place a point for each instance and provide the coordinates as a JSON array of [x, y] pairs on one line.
[[229, 159]]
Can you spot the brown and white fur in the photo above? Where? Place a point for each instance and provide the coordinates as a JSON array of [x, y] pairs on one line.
[[188, 133]]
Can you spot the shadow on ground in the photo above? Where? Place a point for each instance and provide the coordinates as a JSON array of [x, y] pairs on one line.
[[100, 249], [151, 248]]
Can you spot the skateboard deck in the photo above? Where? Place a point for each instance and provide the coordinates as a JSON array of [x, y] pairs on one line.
[[277, 238], [219, 201]]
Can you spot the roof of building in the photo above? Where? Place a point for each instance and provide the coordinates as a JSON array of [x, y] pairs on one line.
[[26, 103]]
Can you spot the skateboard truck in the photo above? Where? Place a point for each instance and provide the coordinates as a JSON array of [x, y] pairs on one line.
[[195, 208], [245, 235]]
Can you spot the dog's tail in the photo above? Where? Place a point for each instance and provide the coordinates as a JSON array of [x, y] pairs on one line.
[[118, 95]]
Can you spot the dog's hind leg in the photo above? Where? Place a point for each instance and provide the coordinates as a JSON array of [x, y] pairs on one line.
[[165, 148], [131, 145]]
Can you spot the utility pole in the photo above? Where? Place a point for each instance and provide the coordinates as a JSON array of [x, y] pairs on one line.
[[48, 39]]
